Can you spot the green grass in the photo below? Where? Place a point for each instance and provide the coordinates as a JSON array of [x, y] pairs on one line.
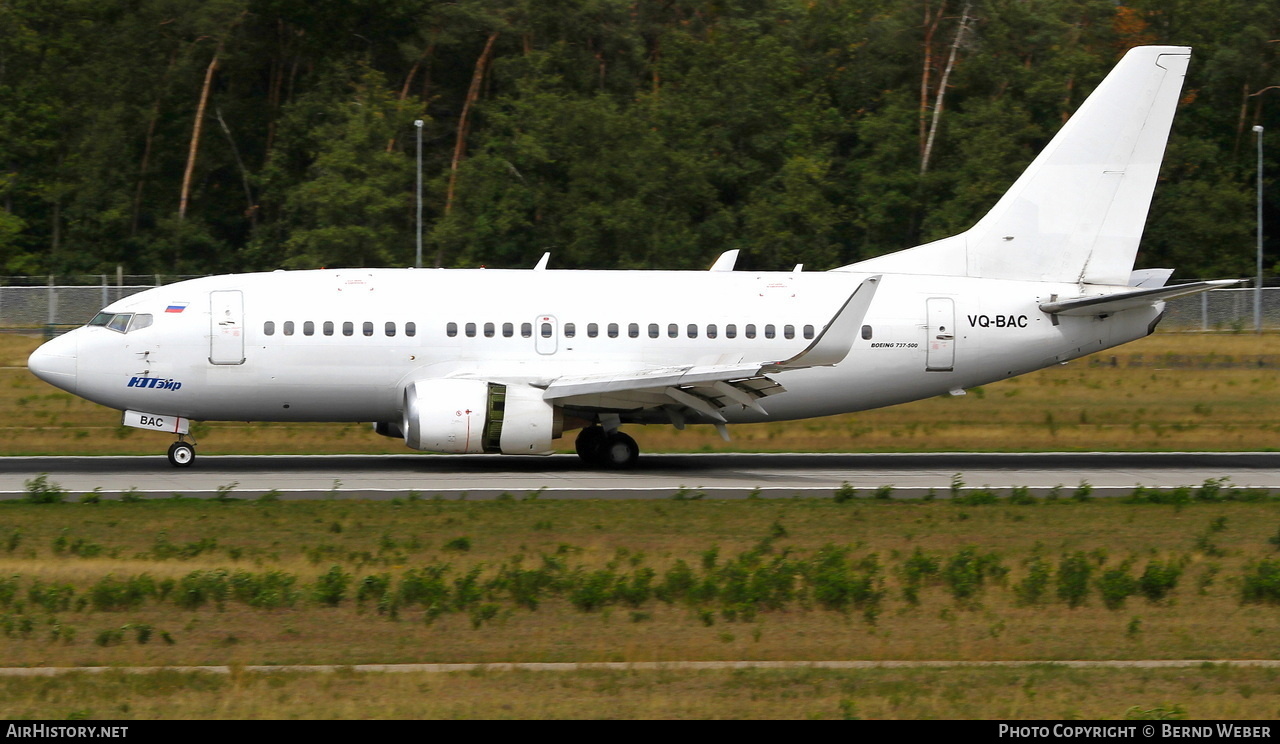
[[243, 582], [119, 584]]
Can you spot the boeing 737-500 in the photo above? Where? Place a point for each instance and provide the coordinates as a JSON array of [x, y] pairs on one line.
[[506, 361]]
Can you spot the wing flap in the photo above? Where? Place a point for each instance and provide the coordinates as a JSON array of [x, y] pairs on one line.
[[659, 378]]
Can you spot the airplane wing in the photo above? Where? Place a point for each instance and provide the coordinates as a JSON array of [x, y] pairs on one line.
[[1113, 303], [709, 388]]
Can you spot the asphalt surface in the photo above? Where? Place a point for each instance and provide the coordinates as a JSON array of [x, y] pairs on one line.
[[656, 476]]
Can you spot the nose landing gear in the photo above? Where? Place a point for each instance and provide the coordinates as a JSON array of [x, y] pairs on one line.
[[182, 453]]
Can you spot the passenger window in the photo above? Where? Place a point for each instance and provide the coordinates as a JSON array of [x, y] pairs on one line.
[[269, 328], [593, 330], [348, 328], [866, 333], [508, 330], [750, 331], [309, 328], [390, 328], [731, 331], [471, 330], [692, 330], [788, 331], [653, 330], [673, 331], [633, 330], [546, 330], [288, 328], [367, 328], [712, 331], [411, 328], [451, 330], [769, 331], [613, 330], [808, 331], [526, 330], [328, 328], [488, 330], [140, 321], [570, 330]]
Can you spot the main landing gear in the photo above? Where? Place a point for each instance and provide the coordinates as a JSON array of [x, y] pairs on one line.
[[182, 453], [606, 449]]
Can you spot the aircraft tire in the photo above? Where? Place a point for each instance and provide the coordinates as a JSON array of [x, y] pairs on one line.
[[617, 451], [588, 444], [181, 454]]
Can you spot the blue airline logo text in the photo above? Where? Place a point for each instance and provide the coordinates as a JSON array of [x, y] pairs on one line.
[[153, 382]]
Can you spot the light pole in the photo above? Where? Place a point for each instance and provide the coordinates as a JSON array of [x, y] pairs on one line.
[[1257, 292], [418, 260]]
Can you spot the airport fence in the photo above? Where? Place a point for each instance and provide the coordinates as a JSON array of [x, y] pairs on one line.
[[54, 304], [1222, 310]]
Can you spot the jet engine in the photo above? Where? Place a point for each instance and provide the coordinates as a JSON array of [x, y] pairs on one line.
[[475, 416]]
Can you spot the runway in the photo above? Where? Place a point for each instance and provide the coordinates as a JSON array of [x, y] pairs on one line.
[[733, 475]]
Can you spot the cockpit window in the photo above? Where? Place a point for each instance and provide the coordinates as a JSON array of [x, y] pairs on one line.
[[122, 322]]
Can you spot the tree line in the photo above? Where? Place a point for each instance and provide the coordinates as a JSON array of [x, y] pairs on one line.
[[229, 135]]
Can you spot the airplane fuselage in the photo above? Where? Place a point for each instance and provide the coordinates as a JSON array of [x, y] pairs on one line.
[[341, 345]]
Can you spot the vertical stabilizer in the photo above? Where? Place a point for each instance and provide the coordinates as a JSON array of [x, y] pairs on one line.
[[1077, 212]]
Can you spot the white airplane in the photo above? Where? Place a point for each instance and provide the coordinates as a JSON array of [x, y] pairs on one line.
[[472, 361]]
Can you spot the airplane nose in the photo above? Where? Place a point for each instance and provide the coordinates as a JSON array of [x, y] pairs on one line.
[[55, 362]]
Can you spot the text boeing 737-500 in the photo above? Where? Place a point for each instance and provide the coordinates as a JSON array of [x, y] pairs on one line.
[[470, 361]]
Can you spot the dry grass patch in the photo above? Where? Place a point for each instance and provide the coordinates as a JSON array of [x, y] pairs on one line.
[[1034, 693]]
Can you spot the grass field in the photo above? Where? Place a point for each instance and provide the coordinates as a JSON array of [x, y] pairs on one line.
[[1169, 392], [1041, 692], [180, 581]]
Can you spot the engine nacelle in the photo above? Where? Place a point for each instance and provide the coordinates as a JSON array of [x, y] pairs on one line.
[[475, 416]]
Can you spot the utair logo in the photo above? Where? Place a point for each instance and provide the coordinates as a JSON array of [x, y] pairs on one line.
[[153, 382]]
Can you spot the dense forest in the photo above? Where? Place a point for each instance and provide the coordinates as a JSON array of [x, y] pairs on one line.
[[196, 136]]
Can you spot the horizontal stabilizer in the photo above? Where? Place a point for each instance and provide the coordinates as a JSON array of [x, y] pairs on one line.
[[1113, 303]]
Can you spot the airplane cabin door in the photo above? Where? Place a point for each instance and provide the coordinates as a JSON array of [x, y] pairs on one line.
[[941, 355], [226, 327], [545, 333]]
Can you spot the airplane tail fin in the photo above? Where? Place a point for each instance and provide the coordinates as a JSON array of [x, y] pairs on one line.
[[1077, 212]]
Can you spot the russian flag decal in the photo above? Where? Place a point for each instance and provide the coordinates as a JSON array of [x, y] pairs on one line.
[[176, 307]]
